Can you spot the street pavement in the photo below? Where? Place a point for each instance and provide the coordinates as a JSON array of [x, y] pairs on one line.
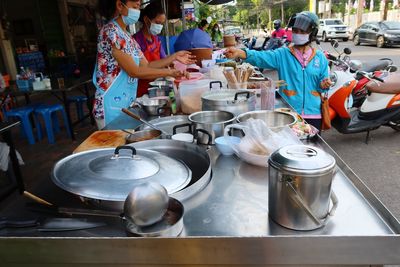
[[378, 162]]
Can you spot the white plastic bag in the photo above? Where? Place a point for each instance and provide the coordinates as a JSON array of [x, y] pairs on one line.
[[259, 141]]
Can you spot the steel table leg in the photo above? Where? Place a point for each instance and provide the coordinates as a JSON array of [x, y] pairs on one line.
[[68, 111]]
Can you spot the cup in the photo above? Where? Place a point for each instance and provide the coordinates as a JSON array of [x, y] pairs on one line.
[[47, 83], [184, 137]]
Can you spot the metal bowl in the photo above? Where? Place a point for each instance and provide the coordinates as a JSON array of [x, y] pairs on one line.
[[146, 204], [275, 120], [152, 106], [157, 92], [171, 224], [143, 135]]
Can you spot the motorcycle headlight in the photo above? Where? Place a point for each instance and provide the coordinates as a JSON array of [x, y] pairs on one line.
[[333, 78]]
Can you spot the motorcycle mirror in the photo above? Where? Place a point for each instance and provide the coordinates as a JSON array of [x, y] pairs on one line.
[[347, 51], [392, 68], [334, 43]]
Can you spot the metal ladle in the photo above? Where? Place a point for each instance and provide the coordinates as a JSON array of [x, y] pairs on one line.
[[136, 117]]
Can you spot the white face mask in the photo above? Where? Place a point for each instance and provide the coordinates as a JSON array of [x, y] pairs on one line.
[[300, 39], [155, 28]]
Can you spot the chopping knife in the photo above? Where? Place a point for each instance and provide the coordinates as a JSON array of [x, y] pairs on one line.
[[49, 224]]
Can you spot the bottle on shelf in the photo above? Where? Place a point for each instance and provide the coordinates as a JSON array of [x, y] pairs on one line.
[[172, 102]]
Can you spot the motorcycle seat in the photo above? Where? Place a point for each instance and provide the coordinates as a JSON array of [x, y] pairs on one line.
[[390, 86], [370, 66]]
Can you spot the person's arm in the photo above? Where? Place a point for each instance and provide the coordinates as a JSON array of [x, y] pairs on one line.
[[144, 71], [185, 57], [261, 59], [324, 76]]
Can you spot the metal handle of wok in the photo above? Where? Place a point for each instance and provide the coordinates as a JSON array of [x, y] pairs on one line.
[[118, 148], [296, 196]]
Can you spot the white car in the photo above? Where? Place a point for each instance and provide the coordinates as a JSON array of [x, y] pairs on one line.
[[333, 29]]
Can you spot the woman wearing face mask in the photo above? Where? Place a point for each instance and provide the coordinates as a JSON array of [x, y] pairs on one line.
[[304, 68], [120, 62], [153, 18]]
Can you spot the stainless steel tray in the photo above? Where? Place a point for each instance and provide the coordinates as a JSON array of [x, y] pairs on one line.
[[227, 223]]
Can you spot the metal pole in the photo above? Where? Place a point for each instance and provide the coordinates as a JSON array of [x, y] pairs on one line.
[[164, 5], [183, 15]]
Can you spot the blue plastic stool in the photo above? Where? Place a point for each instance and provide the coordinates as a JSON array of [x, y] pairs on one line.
[[23, 114], [49, 114], [79, 100]]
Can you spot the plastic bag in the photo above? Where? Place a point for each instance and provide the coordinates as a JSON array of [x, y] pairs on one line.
[[259, 141]]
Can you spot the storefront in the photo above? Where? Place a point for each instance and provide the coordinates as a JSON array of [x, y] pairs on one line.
[[50, 36]]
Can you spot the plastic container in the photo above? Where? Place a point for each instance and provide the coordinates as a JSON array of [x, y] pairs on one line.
[[24, 85], [190, 94], [265, 92]]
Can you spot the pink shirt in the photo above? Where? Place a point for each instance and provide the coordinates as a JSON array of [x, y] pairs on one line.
[[304, 58]]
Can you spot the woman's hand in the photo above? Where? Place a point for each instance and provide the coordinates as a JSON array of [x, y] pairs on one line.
[[234, 53], [325, 84], [185, 57], [177, 73]]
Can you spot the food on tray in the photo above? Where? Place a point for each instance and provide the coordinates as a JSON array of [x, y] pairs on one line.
[[304, 130]]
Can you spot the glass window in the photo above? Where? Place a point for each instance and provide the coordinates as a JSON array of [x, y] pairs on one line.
[[391, 25], [334, 22]]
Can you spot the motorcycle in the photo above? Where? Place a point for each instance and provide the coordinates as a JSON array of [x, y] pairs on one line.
[[381, 106], [356, 69]]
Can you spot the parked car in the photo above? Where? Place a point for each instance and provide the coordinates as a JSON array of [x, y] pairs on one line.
[[333, 29], [384, 33]]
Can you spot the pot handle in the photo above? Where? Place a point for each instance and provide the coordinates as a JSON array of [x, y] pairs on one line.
[[189, 125], [299, 200], [118, 148], [204, 132], [242, 93], [228, 128], [217, 82], [162, 110]]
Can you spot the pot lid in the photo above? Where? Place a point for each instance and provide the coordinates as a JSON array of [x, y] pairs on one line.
[[110, 174], [227, 95], [302, 158]]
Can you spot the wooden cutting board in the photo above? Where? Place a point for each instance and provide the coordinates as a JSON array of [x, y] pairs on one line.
[[101, 139]]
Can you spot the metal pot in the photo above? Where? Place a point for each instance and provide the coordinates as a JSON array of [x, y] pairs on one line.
[[152, 106], [235, 101], [143, 135], [213, 122], [275, 120], [299, 190]]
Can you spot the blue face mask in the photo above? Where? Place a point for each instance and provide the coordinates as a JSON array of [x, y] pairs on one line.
[[155, 28], [133, 16]]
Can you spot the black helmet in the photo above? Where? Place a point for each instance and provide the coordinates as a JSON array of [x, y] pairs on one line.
[[306, 21], [277, 24]]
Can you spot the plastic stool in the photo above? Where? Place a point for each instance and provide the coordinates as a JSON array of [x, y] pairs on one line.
[[49, 115], [78, 100], [23, 114]]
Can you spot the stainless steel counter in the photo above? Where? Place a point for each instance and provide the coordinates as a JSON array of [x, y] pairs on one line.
[[227, 223]]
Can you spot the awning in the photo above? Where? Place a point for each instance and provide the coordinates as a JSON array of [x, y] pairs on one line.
[[216, 2]]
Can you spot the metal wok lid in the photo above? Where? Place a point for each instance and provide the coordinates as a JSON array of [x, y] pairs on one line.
[[110, 174], [230, 96]]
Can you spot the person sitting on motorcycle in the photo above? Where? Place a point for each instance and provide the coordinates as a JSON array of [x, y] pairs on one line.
[[278, 32], [304, 68]]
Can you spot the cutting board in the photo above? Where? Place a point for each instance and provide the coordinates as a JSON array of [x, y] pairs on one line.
[[101, 139]]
